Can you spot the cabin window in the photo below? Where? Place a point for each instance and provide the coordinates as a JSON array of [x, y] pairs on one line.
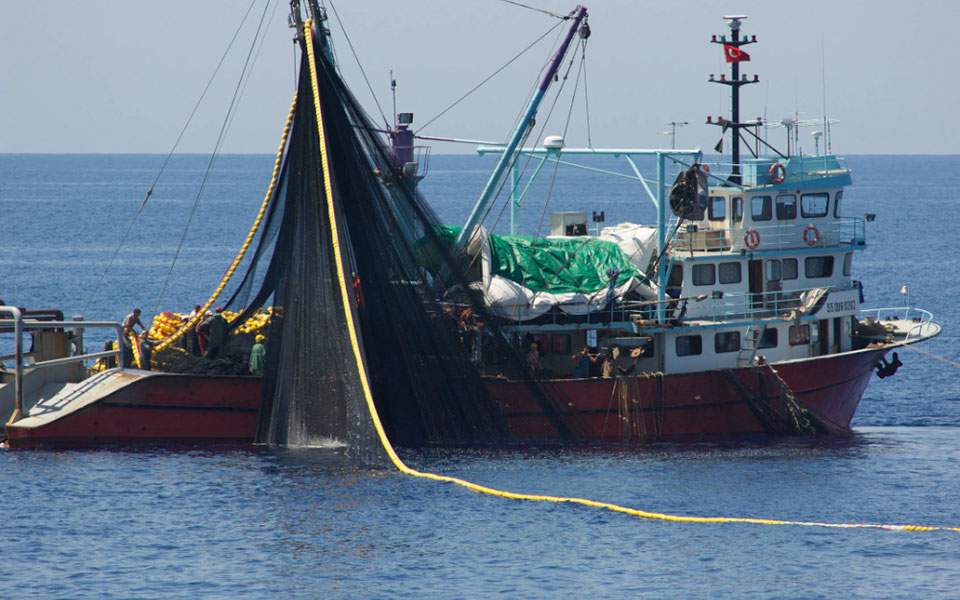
[[675, 280], [736, 208], [799, 335], [773, 270], [768, 339], [729, 272], [727, 341], [761, 208], [847, 263], [689, 345], [817, 267], [786, 207], [704, 275], [789, 270], [836, 203], [815, 205], [717, 209]]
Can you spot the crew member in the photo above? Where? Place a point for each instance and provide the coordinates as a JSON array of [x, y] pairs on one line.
[[216, 327], [129, 322], [533, 360], [258, 356], [583, 359]]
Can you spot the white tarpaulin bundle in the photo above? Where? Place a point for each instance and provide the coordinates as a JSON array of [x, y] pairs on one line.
[[512, 300]]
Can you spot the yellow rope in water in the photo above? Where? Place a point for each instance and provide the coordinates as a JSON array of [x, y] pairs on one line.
[[403, 468], [192, 322]]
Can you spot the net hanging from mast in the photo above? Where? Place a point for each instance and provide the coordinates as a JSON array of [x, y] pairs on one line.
[[401, 279]]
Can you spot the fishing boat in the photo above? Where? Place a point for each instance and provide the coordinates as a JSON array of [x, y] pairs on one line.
[[734, 314]]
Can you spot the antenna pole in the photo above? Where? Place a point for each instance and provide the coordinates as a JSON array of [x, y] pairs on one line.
[[393, 92], [734, 55]]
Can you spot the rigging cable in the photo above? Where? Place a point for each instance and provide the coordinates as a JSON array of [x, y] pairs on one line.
[[586, 97], [166, 160], [359, 64], [216, 149], [366, 390], [535, 9], [487, 78]]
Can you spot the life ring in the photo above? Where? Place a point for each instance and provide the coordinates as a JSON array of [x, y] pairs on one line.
[[751, 238], [777, 172], [811, 235]]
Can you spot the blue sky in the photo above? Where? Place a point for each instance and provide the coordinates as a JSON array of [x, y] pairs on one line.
[[111, 76]]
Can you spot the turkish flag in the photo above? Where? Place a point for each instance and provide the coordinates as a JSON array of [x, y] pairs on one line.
[[734, 54]]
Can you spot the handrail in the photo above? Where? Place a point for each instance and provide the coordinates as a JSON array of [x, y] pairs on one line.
[[836, 232], [922, 318], [19, 323]]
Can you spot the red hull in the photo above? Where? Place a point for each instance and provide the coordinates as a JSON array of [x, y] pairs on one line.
[[163, 409], [691, 406], [190, 409]]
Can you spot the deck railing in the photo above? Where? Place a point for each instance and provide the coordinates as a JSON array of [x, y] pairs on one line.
[[922, 319], [840, 232], [19, 324]]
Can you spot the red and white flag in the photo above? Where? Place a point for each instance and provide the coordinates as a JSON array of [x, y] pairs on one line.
[[734, 54]]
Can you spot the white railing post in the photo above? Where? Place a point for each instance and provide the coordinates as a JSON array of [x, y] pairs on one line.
[[18, 357]]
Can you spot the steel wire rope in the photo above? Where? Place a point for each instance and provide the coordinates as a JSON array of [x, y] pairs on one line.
[[166, 160], [586, 98], [213, 156], [256, 56], [543, 128], [403, 468], [556, 164], [536, 9], [356, 57], [486, 79], [231, 269]]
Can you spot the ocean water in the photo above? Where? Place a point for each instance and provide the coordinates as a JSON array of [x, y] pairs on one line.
[[254, 522]]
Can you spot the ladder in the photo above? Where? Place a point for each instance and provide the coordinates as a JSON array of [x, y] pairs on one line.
[[749, 343]]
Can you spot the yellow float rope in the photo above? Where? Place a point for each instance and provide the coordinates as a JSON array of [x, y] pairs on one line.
[[192, 322], [403, 468]]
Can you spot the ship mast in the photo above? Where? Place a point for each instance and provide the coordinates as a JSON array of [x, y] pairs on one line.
[[734, 56]]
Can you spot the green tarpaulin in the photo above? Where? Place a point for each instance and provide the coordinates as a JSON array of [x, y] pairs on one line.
[[556, 266]]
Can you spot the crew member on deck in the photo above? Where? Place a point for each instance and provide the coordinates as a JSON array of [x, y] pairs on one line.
[[129, 322], [583, 359], [258, 356], [533, 360], [216, 327]]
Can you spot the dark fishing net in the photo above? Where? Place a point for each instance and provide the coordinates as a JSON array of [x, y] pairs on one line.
[[406, 293]]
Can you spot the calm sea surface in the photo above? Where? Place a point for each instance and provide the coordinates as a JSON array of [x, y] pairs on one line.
[[239, 523]]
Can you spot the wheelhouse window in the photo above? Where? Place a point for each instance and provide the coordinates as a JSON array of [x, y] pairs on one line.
[[768, 339], [717, 209], [729, 272], [774, 270], [799, 335], [736, 208], [817, 267], [836, 203], [761, 208], [814, 205], [847, 263], [689, 345], [726, 341], [786, 207], [704, 274], [789, 270]]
